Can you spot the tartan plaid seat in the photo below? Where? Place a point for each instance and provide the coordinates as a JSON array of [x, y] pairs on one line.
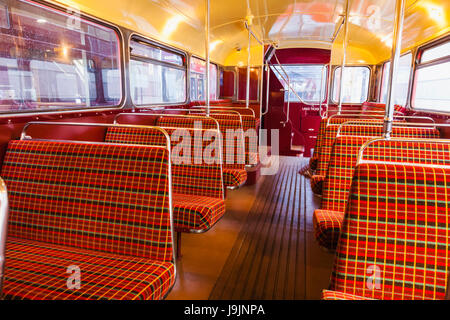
[[38, 271], [234, 178], [327, 226], [395, 239], [198, 196], [248, 125], [101, 207], [316, 183], [366, 130], [196, 213], [336, 186], [172, 121], [233, 175], [322, 130]]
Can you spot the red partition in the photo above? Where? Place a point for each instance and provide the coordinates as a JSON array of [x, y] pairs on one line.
[[242, 84]]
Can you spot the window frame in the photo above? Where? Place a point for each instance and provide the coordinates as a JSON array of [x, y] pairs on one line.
[[153, 43], [217, 78], [121, 62], [333, 83], [383, 65], [418, 65], [324, 93]]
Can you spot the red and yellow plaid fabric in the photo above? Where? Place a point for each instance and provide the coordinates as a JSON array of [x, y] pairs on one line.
[[315, 156], [248, 123], [226, 122], [194, 179], [38, 271], [90, 202], [196, 213], [334, 295], [395, 236], [317, 183], [336, 185], [327, 226], [322, 130], [185, 122], [366, 130], [234, 177]]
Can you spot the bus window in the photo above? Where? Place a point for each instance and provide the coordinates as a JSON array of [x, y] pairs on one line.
[[356, 84], [157, 75], [197, 75], [306, 80], [432, 80], [51, 64], [401, 80]]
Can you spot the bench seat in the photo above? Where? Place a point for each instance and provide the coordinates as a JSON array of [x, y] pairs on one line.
[[38, 271], [196, 213], [234, 178], [327, 226], [336, 187], [103, 209], [316, 183]]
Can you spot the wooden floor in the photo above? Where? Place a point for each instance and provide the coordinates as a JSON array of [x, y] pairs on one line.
[[263, 248]]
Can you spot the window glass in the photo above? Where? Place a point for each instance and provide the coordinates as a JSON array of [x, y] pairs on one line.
[[437, 52], [401, 80], [156, 82], [432, 89], [149, 51], [53, 60], [356, 84], [308, 81], [198, 76]]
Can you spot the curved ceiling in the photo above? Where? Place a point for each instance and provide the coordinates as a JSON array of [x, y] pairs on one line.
[[286, 23]]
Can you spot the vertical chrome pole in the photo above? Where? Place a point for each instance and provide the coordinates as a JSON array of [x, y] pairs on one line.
[[344, 54], [395, 56], [328, 90], [267, 87], [321, 91], [261, 85], [247, 94], [207, 56]]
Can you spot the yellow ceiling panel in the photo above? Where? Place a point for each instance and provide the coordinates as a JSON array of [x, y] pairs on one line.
[[286, 23]]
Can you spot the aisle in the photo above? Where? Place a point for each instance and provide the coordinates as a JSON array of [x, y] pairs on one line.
[[263, 248]]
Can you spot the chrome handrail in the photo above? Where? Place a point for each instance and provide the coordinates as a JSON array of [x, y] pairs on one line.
[[221, 107], [4, 214], [162, 115], [375, 123], [397, 117], [363, 148], [24, 136]]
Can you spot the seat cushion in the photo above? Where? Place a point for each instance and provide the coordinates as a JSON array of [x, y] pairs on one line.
[[336, 295], [38, 270], [313, 163], [196, 213], [316, 183], [327, 226], [234, 177]]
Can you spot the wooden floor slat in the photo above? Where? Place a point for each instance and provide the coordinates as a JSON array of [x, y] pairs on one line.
[[270, 258]]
